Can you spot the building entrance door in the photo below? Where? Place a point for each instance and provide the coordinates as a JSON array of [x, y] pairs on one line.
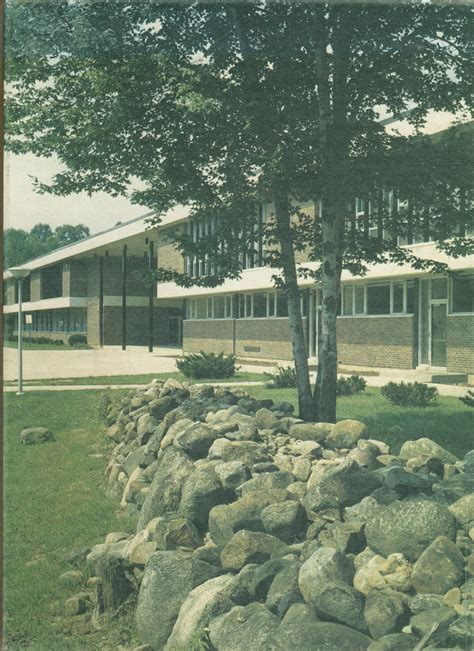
[[438, 334], [175, 330]]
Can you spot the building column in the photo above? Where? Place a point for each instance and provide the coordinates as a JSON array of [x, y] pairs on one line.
[[124, 297], [101, 301], [151, 293]]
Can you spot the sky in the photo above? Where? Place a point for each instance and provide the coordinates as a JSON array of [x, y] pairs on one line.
[[24, 208]]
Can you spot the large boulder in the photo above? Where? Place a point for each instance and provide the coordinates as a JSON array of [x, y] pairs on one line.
[[284, 589], [385, 612], [266, 481], [247, 452], [394, 642], [317, 432], [345, 434], [286, 520], [202, 605], [249, 547], [439, 568], [324, 582], [165, 490], [232, 474], [165, 585], [301, 630], [201, 492], [436, 622], [408, 527], [172, 531], [244, 627], [35, 435], [427, 447], [196, 440], [463, 511], [161, 406], [344, 485]]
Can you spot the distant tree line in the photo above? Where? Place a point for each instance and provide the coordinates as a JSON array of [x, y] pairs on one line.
[[21, 245]]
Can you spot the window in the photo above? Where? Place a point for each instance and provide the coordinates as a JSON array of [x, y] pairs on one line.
[[200, 310], [347, 300], [219, 307], [410, 296], [52, 282], [228, 306], [271, 304], [397, 304], [282, 304], [259, 305], [359, 299], [439, 288], [378, 299], [463, 294]]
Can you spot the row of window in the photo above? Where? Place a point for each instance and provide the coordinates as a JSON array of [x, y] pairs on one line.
[[377, 298], [67, 320]]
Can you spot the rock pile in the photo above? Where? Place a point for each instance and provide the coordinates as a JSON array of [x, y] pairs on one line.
[[259, 531]]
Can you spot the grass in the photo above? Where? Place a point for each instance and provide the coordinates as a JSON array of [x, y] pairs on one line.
[[450, 423], [142, 379], [54, 504]]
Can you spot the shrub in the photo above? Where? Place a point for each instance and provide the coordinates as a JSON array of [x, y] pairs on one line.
[[284, 378], [414, 394], [468, 399], [45, 340], [349, 386], [77, 340], [207, 365]]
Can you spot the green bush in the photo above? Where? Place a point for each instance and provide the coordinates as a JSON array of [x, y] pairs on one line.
[[468, 399], [207, 365], [284, 378], [414, 394], [349, 386], [77, 340]]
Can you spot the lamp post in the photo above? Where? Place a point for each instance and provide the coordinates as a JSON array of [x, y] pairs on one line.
[[20, 274]]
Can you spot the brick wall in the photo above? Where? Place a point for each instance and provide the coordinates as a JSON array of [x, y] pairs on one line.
[[9, 291], [168, 257], [93, 337], [460, 343], [137, 326], [136, 285], [254, 338], [78, 278], [376, 341]]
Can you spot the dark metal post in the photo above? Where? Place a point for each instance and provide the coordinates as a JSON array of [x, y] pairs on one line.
[[101, 301], [124, 297], [151, 291]]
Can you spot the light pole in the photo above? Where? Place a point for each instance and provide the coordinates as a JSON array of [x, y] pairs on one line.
[[20, 274]]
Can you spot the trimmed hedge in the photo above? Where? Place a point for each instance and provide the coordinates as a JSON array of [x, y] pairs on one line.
[[207, 365], [410, 394]]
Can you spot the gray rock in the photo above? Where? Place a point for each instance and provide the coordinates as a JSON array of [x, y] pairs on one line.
[[161, 406], [439, 568], [247, 452], [461, 631], [172, 531], [385, 612], [463, 510], [426, 446], [244, 627], [165, 490], [346, 537], [437, 620], [165, 585], [242, 590], [146, 424], [469, 462], [324, 583], [196, 440], [455, 487], [304, 634], [285, 520], [316, 432], [201, 492], [345, 434], [264, 575], [206, 564], [284, 584], [134, 460], [266, 481], [266, 419], [421, 602], [232, 474], [405, 483], [245, 513], [394, 642], [408, 527], [203, 604], [344, 485], [35, 435], [249, 547]]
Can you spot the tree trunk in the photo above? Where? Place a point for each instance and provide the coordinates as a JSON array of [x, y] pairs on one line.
[[331, 267], [300, 351]]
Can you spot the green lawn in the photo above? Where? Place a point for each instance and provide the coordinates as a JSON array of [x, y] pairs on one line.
[[143, 379], [450, 423], [54, 504]]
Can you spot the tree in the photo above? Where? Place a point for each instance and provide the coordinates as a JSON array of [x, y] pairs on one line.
[[223, 106], [21, 246]]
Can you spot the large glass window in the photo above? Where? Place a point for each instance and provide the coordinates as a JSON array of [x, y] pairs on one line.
[[282, 304], [359, 299], [410, 296], [219, 307], [397, 306], [259, 305], [439, 288], [378, 298], [347, 300], [463, 294], [200, 308]]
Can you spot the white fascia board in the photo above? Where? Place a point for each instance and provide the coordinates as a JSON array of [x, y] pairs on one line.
[[116, 234], [261, 278], [48, 304], [132, 301]]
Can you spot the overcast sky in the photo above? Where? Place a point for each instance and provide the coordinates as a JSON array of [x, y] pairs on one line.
[[24, 208]]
